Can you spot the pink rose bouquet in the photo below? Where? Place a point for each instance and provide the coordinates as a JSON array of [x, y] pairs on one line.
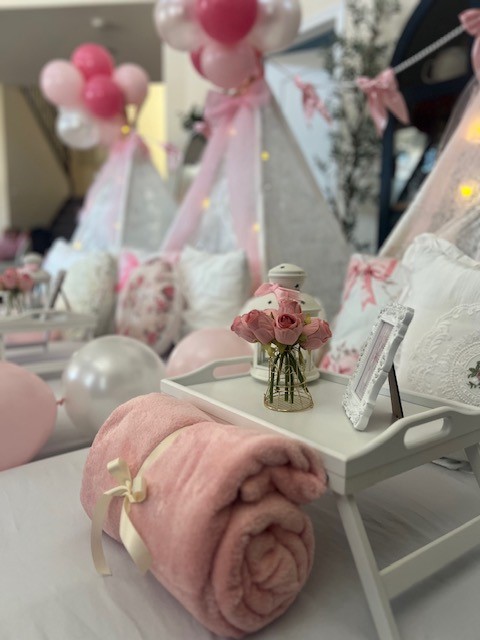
[[283, 333], [15, 284]]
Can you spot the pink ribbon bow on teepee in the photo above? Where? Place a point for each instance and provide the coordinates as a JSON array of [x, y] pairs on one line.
[[470, 20], [383, 96], [366, 273], [311, 101]]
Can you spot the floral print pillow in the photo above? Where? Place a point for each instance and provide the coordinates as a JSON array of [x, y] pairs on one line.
[[149, 306]]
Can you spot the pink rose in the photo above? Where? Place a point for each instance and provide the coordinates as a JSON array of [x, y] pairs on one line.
[[288, 305], [255, 326], [25, 282], [10, 279], [288, 327], [316, 334]]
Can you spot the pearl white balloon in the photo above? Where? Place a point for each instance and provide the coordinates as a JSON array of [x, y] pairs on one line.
[[176, 24], [77, 129], [104, 374], [277, 25]]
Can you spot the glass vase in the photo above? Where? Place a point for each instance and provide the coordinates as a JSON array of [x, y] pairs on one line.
[[287, 386], [14, 303]]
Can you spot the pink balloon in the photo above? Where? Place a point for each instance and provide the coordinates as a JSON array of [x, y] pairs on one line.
[[204, 346], [28, 412], [227, 21], [195, 57], [133, 81], [228, 67], [92, 60], [110, 131], [176, 24], [103, 97], [62, 84]]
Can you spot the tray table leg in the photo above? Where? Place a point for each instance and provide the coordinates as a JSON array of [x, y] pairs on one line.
[[372, 583], [473, 455]]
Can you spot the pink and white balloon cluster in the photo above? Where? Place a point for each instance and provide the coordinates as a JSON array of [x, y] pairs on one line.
[[227, 38], [91, 95]]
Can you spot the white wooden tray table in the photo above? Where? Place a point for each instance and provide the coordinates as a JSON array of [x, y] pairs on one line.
[[355, 461], [53, 356]]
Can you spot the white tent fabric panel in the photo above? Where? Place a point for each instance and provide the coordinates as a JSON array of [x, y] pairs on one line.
[[128, 205], [448, 203]]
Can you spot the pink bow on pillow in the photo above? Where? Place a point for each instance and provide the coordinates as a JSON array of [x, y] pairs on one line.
[[311, 101], [470, 20], [383, 96]]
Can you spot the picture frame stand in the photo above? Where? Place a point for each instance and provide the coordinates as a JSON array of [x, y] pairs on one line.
[[397, 408]]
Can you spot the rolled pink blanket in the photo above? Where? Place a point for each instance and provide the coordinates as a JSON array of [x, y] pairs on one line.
[[221, 519]]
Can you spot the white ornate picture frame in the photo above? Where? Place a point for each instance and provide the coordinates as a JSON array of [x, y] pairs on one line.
[[375, 363]]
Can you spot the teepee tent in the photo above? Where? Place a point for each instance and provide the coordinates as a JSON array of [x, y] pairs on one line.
[[255, 191], [128, 205], [448, 203]]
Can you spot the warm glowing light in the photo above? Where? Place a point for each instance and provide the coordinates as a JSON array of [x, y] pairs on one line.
[[467, 190], [256, 227], [232, 132], [265, 156], [125, 129], [473, 132], [77, 246], [205, 203]]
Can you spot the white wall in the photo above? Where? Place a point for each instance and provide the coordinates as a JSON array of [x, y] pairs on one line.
[[37, 185], [4, 202]]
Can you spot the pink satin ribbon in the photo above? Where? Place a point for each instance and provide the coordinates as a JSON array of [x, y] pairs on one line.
[[281, 293], [383, 96], [311, 101], [233, 139], [366, 273], [470, 19]]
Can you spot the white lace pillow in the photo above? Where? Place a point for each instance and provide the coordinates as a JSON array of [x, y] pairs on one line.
[[90, 288], [441, 351], [149, 306], [370, 285], [215, 287]]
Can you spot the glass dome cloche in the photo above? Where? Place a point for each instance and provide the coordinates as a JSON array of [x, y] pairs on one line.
[[288, 276]]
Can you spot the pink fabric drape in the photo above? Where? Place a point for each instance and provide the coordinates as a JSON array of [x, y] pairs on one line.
[[232, 119]]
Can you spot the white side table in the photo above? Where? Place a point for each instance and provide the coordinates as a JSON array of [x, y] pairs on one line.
[[355, 461]]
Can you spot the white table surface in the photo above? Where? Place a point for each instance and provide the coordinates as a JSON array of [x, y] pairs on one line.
[[50, 591]]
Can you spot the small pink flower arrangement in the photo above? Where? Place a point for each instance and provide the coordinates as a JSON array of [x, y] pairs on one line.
[[283, 333], [15, 283]]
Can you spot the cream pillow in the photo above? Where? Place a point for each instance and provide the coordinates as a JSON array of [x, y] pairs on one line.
[[90, 288], [215, 286], [440, 354]]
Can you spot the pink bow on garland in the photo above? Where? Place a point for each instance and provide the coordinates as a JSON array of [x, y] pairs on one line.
[[383, 96], [470, 20], [366, 273], [311, 101]]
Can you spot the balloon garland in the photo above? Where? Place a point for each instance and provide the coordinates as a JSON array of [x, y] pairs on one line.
[[91, 95], [227, 39]]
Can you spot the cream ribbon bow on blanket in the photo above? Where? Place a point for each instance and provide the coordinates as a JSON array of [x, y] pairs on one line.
[[133, 491]]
